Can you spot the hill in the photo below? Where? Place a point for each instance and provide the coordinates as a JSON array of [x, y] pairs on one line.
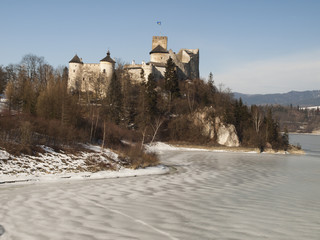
[[303, 99]]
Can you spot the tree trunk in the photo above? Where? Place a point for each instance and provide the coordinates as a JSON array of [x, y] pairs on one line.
[[158, 123], [104, 134]]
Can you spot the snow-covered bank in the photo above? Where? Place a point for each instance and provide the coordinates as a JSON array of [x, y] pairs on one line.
[[53, 166], [160, 147]]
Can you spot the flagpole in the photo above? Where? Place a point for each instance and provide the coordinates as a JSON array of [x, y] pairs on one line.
[[159, 23]]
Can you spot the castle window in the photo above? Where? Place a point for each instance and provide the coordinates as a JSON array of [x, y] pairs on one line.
[[104, 71], [74, 70]]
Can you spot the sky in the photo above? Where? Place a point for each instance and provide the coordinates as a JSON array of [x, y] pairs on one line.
[[250, 46]]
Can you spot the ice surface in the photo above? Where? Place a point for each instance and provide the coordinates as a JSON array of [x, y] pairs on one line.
[[207, 195]]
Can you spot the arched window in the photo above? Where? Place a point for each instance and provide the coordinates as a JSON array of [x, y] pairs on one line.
[[104, 71]]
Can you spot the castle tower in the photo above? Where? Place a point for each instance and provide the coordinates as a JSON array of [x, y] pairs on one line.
[[107, 66], [159, 52], [159, 40], [75, 73]]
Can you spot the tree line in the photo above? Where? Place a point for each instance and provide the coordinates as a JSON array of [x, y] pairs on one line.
[[41, 110]]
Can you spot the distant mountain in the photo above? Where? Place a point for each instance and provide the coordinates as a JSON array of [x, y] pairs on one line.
[[303, 99]]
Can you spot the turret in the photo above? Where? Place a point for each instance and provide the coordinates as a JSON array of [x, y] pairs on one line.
[[107, 66], [75, 73]]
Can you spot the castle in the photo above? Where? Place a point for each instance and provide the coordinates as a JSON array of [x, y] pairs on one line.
[[186, 60], [95, 77], [90, 77]]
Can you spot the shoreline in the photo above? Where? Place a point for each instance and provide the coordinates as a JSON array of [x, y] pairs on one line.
[[24, 178], [316, 133], [51, 166], [187, 146]]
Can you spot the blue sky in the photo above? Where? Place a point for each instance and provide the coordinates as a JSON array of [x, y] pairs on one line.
[[251, 46]]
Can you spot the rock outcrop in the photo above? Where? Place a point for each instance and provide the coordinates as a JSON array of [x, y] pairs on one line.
[[226, 134], [214, 128]]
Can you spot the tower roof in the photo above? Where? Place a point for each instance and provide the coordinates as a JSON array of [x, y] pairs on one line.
[[107, 58], [159, 49], [75, 59]]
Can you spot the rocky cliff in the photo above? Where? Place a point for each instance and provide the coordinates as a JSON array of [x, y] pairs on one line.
[[214, 128]]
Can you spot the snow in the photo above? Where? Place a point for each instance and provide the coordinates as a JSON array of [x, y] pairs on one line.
[[311, 108], [160, 147], [53, 166]]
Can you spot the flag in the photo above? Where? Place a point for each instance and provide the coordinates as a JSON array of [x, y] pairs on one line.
[[159, 23]]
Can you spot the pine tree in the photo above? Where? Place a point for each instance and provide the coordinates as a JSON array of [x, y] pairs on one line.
[[151, 97], [211, 84], [285, 139], [171, 82], [114, 100]]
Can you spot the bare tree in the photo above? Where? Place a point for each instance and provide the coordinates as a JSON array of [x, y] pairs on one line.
[[257, 118], [155, 126]]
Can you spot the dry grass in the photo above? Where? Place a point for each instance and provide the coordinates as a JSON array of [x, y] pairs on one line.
[[135, 158], [94, 164], [16, 149]]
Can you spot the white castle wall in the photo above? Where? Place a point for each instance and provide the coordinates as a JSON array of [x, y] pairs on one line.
[[92, 77]]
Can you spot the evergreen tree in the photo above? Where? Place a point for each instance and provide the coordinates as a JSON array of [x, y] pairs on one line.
[[3, 79], [285, 139], [151, 97], [114, 100], [171, 82], [212, 88], [269, 126]]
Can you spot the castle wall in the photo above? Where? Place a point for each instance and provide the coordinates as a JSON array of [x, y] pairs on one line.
[[187, 61], [90, 77], [194, 65], [185, 57], [90, 72], [134, 70], [159, 57]]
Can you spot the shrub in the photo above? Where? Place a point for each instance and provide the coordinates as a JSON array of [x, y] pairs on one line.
[[135, 158]]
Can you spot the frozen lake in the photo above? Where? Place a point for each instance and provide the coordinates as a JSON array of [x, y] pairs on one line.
[[207, 195]]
